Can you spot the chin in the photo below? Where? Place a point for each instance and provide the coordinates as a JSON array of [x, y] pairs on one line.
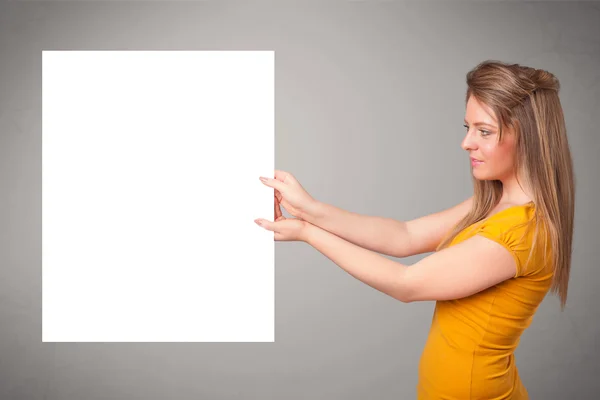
[[481, 176]]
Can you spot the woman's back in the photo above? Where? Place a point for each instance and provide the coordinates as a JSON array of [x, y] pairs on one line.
[[469, 353]]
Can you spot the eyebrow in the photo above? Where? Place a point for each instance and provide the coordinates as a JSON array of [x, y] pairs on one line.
[[480, 124]]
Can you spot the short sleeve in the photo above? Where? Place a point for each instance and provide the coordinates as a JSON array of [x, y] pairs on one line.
[[514, 234]]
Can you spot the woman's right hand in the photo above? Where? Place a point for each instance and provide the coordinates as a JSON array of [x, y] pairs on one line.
[[290, 194]]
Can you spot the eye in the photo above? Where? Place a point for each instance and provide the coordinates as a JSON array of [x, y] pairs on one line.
[[483, 131]]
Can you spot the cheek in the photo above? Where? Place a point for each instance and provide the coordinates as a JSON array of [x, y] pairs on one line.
[[489, 151], [501, 156]]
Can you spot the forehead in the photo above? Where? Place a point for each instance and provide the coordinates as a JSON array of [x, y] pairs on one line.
[[477, 112]]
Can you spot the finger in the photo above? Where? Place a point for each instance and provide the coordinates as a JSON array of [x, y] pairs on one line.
[[278, 212], [268, 225], [274, 183], [280, 175], [283, 175]]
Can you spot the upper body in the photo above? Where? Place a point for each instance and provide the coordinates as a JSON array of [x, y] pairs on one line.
[[485, 287], [469, 353]]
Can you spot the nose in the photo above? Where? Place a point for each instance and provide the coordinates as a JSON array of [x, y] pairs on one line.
[[468, 143]]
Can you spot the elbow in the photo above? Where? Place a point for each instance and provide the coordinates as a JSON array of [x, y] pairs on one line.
[[403, 297], [404, 290]]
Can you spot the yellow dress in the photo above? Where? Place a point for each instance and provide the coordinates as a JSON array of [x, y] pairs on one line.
[[469, 353]]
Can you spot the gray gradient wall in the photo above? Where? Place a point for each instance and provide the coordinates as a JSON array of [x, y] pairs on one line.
[[369, 110]]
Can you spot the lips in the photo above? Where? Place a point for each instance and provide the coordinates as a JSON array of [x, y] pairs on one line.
[[476, 160]]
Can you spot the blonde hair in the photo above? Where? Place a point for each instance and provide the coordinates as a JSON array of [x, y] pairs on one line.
[[525, 100]]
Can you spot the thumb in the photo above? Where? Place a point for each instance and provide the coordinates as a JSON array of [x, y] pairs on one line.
[[274, 183], [268, 225]]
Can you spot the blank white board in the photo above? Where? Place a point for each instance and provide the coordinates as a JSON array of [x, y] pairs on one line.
[[150, 167]]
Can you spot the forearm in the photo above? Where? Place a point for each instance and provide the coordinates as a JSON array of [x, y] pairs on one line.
[[375, 270], [383, 235]]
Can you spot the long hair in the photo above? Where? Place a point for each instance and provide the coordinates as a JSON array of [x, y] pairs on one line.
[[526, 101]]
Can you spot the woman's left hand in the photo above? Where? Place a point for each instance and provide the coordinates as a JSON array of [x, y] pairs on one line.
[[285, 229]]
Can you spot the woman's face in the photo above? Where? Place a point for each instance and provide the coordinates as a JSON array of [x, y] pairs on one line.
[[481, 142]]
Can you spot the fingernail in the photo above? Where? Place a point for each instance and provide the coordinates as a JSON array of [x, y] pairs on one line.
[[263, 179]]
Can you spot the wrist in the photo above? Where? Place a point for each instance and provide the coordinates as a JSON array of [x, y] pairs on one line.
[[312, 212], [307, 232]]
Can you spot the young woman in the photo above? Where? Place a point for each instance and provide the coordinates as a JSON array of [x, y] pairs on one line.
[[494, 257]]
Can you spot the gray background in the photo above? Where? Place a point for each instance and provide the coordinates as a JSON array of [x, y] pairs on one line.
[[369, 111]]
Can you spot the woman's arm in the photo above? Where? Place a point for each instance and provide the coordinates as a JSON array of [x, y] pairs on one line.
[[386, 235], [371, 268], [454, 272], [380, 234]]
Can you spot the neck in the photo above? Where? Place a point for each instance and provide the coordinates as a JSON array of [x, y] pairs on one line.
[[515, 191]]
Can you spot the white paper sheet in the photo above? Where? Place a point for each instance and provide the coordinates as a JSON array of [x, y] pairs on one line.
[[150, 189]]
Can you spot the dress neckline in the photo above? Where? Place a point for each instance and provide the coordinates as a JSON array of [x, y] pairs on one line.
[[477, 224], [528, 204]]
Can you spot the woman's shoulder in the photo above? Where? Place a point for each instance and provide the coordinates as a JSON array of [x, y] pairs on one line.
[[516, 228], [512, 213]]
